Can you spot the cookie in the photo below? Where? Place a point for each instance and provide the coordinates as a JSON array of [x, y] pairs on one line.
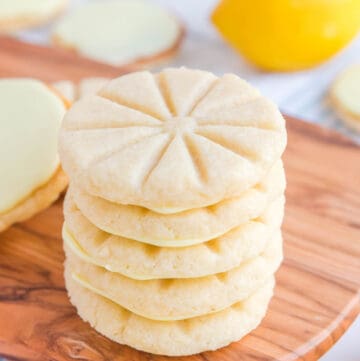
[[178, 299], [170, 142], [66, 89], [184, 228], [133, 32], [74, 91], [90, 86], [39, 200], [142, 261], [345, 98], [31, 176], [21, 14], [172, 338]]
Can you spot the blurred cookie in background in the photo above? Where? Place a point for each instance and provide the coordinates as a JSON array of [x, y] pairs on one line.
[[128, 32], [72, 91], [345, 96], [21, 14], [31, 175], [65, 88]]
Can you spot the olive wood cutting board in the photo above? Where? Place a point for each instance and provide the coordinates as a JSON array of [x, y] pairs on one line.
[[317, 292]]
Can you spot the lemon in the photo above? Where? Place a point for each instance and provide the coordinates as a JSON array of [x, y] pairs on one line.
[[287, 34]]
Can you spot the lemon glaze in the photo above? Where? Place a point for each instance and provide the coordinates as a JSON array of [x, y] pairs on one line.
[[30, 118]]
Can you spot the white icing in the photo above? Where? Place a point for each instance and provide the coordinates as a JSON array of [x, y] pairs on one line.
[[16, 8], [30, 117], [118, 32], [75, 247]]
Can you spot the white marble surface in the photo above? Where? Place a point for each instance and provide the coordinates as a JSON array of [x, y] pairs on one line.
[[302, 94]]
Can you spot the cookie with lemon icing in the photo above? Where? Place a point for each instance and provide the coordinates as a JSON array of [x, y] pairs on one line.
[[133, 32], [344, 96], [172, 338], [21, 14], [31, 176], [177, 299], [143, 261]]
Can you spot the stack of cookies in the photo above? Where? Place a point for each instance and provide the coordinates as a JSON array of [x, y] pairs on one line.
[[173, 215]]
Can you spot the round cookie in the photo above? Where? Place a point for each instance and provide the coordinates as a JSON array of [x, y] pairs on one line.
[[178, 299], [74, 91], [21, 14], [185, 228], [66, 89], [31, 176], [39, 200], [133, 32], [90, 86], [172, 338], [170, 142], [345, 98], [141, 261]]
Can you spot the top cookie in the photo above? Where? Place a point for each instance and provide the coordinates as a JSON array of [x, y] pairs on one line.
[[176, 140]]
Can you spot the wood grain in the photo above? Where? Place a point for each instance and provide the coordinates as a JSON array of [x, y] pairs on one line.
[[317, 295], [18, 59]]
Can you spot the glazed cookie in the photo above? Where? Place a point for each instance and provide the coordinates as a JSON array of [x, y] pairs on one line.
[[184, 228], [170, 142], [142, 261], [133, 32], [31, 176], [177, 299], [21, 14], [172, 338], [345, 96]]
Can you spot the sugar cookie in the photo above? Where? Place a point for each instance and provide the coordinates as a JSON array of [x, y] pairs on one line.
[[40, 199], [132, 32], [31, 177], [172, 338], [177, 299], [143, 261], [179, 140], [345, 96], [66, 89], [21, 14], [73, 91], [189, 227]]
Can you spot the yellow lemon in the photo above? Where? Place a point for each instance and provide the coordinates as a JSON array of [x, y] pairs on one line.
[[287, 34]]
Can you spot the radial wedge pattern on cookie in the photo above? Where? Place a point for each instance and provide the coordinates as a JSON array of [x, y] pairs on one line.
[[20, 14], [31, 177], [142, 261], [133, 32], [173, 141], [184, 228], [179, 299], [172, 338]]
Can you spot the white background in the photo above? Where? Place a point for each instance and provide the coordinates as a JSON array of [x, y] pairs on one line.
[[302, 94]]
